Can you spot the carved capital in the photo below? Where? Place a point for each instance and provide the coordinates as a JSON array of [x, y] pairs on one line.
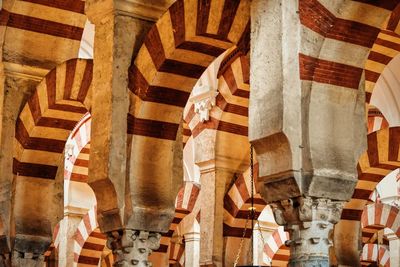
[[133, 247], [307, 209], [204, 99], [309, 222]]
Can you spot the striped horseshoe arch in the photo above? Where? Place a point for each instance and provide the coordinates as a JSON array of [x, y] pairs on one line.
[[89, 241], [76, 165], [60, 100], [229, 117], [380, 216], [381, 158], [372, 254], [275, 248], [384, 49], [44, 124], [237, 203], [231, 112], [176, 52]]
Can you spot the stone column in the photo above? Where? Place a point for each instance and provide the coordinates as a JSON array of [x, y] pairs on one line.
[[310, 222], [192, 249], [118, 36], [120, 28], [307, 144], [213, 183]]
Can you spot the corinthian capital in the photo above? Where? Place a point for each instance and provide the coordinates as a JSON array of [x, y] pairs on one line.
[[307, 209], [133, 247]]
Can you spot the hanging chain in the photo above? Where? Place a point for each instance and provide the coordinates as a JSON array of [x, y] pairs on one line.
[[241, 242], [250, 214]]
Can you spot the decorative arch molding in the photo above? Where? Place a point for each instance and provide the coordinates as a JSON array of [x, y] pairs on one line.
[[381, 215], [380, 159], [371, 253], [228, 118], [233, 99]]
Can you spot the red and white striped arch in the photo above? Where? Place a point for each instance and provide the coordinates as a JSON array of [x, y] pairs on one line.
[[385, 48], [78, 150], [380, 159], [230, 114], [275, 248], [347, 32], [176, 52], [371, 253], [237, 202], [89, 241], [381, 215]]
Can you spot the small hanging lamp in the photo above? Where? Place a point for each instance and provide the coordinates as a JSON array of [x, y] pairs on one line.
[[251, 217]]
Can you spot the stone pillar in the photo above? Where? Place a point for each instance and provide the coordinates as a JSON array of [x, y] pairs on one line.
[[307, 156], [192, 249], [120, 28], [310, 222], [118, 35], [213, 183], [133, 247]]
